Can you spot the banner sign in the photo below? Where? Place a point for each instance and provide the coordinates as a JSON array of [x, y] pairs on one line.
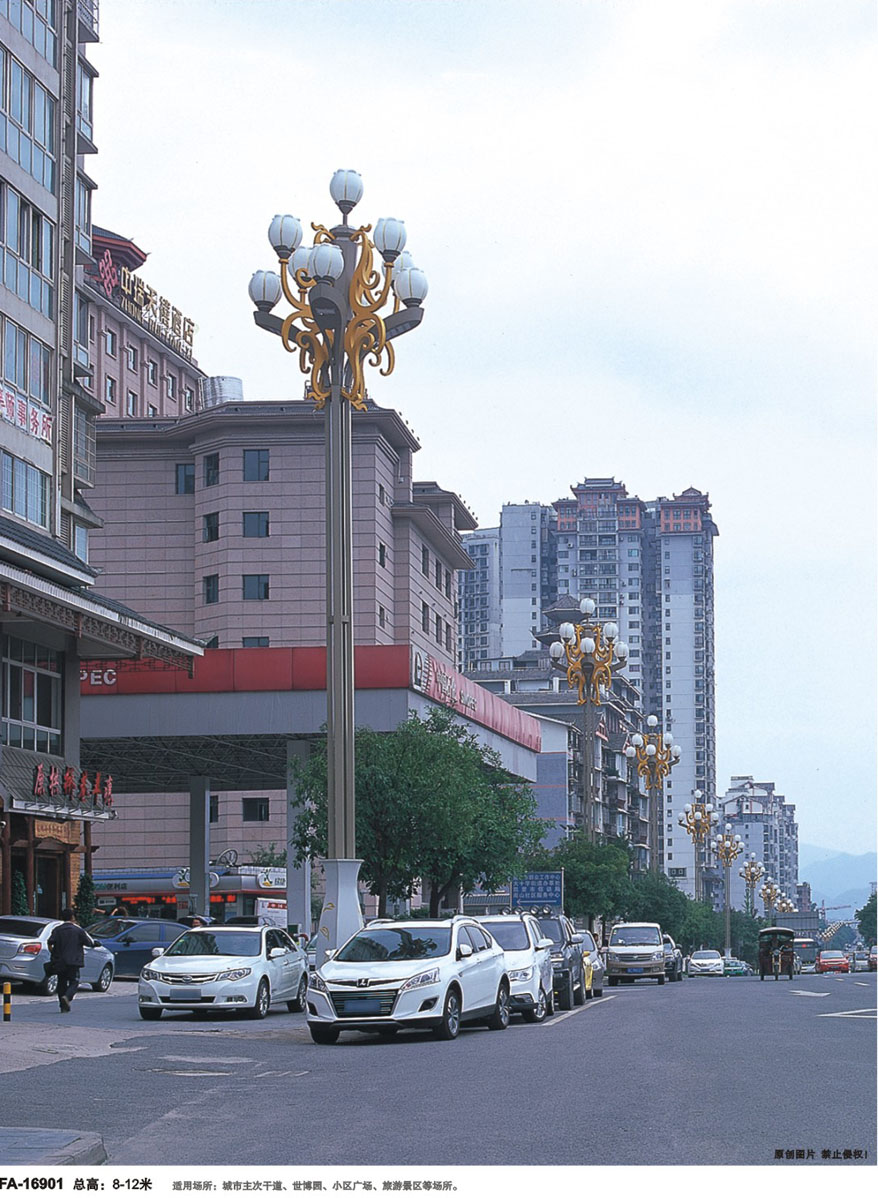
[[544, 889]]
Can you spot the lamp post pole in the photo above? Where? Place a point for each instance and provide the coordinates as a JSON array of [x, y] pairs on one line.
[[333, 327], [751, 871], [697, 819], [656, 755], [769, 894], [589, 654], [728, 848]]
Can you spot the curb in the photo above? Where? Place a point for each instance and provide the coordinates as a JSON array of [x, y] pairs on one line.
[[40, 1146]]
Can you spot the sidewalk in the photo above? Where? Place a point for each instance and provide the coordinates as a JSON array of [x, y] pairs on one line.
[[50, 1147]]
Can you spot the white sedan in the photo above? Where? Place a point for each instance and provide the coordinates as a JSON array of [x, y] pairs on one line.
[[225, 968], [707, 962]]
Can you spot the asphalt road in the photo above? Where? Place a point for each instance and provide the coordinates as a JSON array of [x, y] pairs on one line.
[[709, 1071]]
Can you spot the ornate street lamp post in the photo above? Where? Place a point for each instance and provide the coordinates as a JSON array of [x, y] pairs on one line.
[[589, 654], [785, 906], [656, 755], [769, 894], [335, 325], [698, 819], [751, 871], [727, 848]]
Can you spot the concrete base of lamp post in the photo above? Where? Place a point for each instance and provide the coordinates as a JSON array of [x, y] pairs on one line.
[[341, 915]]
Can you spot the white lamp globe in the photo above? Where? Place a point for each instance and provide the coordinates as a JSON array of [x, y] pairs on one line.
[[650, 750], [326, 262], [411, 286], [587, 607], [300, 259], [265, 289], [652, 721], [588, 645], [630, 751], [621, 650], [556, 650], [566, 632], [611, 630], [676, 751], [403, 262], [346, 189], [637, 739], [285, 235], [389, 237]]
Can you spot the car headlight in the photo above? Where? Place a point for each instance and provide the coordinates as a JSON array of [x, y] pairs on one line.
[[521, 975], [660, 956], [150, 975], [233, 975], [614, 957], [428, 978], [557, 958], [316, 982]]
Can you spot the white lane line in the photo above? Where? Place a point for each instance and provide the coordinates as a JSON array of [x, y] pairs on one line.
[[594, 1002], [811, 993], [861, 983], [863, 1013]]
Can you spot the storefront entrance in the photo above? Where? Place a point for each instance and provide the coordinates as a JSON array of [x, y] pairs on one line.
[[49, 897]]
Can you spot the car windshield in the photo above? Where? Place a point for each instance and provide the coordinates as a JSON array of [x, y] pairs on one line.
[[588, 943], [203, 942], [832, 955], [551, 929], [635, 935], [396, 944], [511, 936], [22, 927], [705, 955], [110, 927]]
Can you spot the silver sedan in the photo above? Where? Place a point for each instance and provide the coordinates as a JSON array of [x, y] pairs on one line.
[[24, 951]]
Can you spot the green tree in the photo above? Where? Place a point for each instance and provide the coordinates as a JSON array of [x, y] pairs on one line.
[[866, 920], [271, 857], [653, 898], [745, 937], [84, 903], [701, 926], [595, 875], [19, 894], [431, 803]]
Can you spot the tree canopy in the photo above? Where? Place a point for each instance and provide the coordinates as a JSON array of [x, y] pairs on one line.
[[431, 803], [866, 920]]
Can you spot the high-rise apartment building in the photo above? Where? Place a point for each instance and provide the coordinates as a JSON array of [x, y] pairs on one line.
[[649, 567], [766, 823], [479, 600]]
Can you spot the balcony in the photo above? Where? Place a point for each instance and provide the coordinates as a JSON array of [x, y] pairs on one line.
[[87, 14]]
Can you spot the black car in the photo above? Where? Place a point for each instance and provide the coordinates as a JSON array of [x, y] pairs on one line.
[[568, 974], [673, 959], [131, 941]]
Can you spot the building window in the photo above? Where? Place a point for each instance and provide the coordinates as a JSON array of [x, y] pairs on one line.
[[109, 390], [214, 809], [255, 642], [447, 584], [382, 617], [29, 127], [382, 554], [211, 469], [26, 362], [255, 524], [189, 399], [438, 575], [29, 239], [255, 465], [131, 357], [382, 498], [254, 811], [31, 697], [185, 478], [425, 618], [152, 373], [213, 643], [131, 404], [211, 588], [172, 386], [425, 560], [152, 410], [25, 491], [80, 542], [255, 586], [438, 630], [210, 527]]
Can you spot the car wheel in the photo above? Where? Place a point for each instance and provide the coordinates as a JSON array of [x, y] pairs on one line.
[[597, 991], [323, 1035], [150, 1014], [49, 986], [499, 1021], [539, 1011], [579, 993], [263, 1001], [298, 1003], [565, 996], [102, 985], [450, 1025], [662, 979]]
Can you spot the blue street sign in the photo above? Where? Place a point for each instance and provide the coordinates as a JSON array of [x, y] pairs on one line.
[[539, 890]]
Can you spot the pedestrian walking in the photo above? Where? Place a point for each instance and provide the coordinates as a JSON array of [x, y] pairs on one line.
[[66, 945]]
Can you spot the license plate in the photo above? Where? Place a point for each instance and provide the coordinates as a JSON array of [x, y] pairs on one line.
[[363, 1006], [635, 969], [181, 994]]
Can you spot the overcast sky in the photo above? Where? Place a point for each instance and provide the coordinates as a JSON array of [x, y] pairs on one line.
[[649, 233]]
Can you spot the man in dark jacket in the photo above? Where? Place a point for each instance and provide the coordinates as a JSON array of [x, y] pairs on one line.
[[66, 945]]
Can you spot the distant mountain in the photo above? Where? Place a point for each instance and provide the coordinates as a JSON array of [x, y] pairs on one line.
[[838, 878]]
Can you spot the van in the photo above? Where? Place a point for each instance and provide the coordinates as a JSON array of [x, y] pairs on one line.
[[635, 950]]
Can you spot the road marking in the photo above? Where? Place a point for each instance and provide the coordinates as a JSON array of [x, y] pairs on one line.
[[212, 1060], [811, 993], [594, 1002], [863, 1013], [284, 1073], [861, 983]]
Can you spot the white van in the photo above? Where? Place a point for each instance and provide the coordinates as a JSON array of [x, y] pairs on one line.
[[635, 950]]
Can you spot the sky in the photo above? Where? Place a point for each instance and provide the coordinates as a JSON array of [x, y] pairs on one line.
[[648, 229]]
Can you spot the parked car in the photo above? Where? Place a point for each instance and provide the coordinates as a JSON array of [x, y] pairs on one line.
[[24, 951], [188, 920], [594, 966], [528, 962], [222, 968], [733, 968], [873, 957], [860, 961], [568, 970], [435, 974], [249, 921], [673, 959], [706, 962], [832, 960], [131, 941], [635, 950]]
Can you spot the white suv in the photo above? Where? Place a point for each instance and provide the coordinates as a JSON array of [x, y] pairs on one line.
[[529, 962], [393, 974]]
